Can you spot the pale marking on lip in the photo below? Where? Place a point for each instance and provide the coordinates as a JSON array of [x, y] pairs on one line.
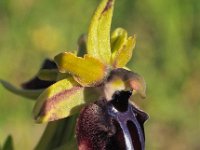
[[122, 118]]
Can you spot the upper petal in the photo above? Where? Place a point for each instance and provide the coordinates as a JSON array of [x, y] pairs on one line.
[[122, 47]]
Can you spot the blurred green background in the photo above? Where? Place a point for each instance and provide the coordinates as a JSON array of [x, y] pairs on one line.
[[167, 54]]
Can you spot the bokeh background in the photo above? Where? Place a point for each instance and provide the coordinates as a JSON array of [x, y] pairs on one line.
[[167, 54]]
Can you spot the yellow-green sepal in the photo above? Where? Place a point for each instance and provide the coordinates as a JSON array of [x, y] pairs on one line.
[[122, 47], [98, 42], [31, 94], [62, 99], [87, 71]]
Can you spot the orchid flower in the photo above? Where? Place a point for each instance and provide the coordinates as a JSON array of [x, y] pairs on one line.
[[97, 84]]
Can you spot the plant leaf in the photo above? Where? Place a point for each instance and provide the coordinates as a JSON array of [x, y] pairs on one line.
[[52, 134], [8, 145], [61, 100], [88, 71], [123, 55], [98, 43], [32, 94]]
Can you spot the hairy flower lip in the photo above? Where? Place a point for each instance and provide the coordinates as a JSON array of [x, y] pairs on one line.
[[124, 130]]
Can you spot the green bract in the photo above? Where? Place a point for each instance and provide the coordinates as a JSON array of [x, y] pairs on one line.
[[76, 80]]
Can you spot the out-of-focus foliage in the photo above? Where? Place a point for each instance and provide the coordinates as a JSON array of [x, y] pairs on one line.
[[8, 144], [167, 54]]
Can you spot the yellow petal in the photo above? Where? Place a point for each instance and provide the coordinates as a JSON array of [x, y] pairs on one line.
[[87, 71], [61, 100], [123, 55], [98, 43]]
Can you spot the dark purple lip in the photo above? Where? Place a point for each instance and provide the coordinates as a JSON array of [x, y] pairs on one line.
[[130, 119]]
